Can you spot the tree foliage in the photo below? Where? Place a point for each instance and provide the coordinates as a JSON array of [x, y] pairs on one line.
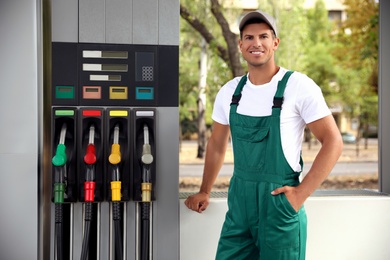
[[342, 58], [359, 38], [357, 55], [320, 65], [227, 48], [207, 21]]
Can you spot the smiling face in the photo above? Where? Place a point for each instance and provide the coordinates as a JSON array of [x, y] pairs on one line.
[[258, 44]]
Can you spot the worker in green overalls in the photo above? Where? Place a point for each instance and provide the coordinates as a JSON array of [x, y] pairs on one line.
[[265, 113]]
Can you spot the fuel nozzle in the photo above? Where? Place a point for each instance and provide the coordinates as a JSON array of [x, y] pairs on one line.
[[115, 159], [146, 188], [115, 156], [146, 159], [89, 189], [59, 161], [90, 160]]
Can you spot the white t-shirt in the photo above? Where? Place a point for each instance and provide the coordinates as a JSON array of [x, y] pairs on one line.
[[303, 103]]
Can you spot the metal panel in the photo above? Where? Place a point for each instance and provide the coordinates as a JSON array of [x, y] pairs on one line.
[[77, 227], [168, 22], [92, 21], [19, 78], [130, 231], [145, 22], [65, 21], [119, 19], [19, 135], [19, 212], [166, 207], [384, 96]]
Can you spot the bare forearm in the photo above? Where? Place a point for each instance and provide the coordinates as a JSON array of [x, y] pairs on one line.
[[215, 156], [322, 166], [328, 134]]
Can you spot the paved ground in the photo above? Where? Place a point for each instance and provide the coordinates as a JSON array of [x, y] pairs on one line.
[[351, 152]]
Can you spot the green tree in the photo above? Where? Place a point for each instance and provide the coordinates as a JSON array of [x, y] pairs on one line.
[[341, 60], [320, 65], [188, 75], [357, 53], [210, 22], [225, 48], [359, 38]]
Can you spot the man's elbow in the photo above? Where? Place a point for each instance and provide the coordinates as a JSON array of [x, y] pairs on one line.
[[335, 141]]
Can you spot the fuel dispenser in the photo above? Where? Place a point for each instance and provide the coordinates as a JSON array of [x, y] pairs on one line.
[[91, 176], [115, 159], [144, 179], [119, 175], [115, 127], [64, 179]]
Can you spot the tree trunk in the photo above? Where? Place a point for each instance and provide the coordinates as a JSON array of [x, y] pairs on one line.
[[231, 54], [202, 101], [230, 38]]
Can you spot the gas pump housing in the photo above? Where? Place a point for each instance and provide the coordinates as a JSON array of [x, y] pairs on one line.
[[115, 63]]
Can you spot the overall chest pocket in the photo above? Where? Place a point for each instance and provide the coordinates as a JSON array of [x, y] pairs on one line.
[[250, 146]]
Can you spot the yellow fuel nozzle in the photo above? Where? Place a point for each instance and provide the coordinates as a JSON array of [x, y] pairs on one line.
[[116, 191], [115, 156]]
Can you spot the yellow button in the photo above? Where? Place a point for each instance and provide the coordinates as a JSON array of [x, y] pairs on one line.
[[118, 92]]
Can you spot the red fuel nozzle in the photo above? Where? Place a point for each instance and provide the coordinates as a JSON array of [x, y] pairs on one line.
[[89, 188], [90, 155]]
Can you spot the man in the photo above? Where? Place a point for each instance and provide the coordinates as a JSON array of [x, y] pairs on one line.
[[266, 112]]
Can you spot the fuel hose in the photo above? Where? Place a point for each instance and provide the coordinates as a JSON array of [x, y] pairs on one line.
[[89, 190], [115, 159], [146, 188], [59, 163]]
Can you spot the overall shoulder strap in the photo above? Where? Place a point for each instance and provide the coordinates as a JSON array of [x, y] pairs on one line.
[[237, 93], [278, 98]]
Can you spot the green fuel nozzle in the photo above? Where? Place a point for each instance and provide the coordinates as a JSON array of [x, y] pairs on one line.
[[60, 158], [59, 161]]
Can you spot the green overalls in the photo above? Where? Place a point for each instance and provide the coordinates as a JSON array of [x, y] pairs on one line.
[[259, 225]]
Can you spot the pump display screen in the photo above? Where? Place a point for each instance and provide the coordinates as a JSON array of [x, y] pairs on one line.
[[64, 92], [118, 90], [144, 90], [65, 89], [91, 90]]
